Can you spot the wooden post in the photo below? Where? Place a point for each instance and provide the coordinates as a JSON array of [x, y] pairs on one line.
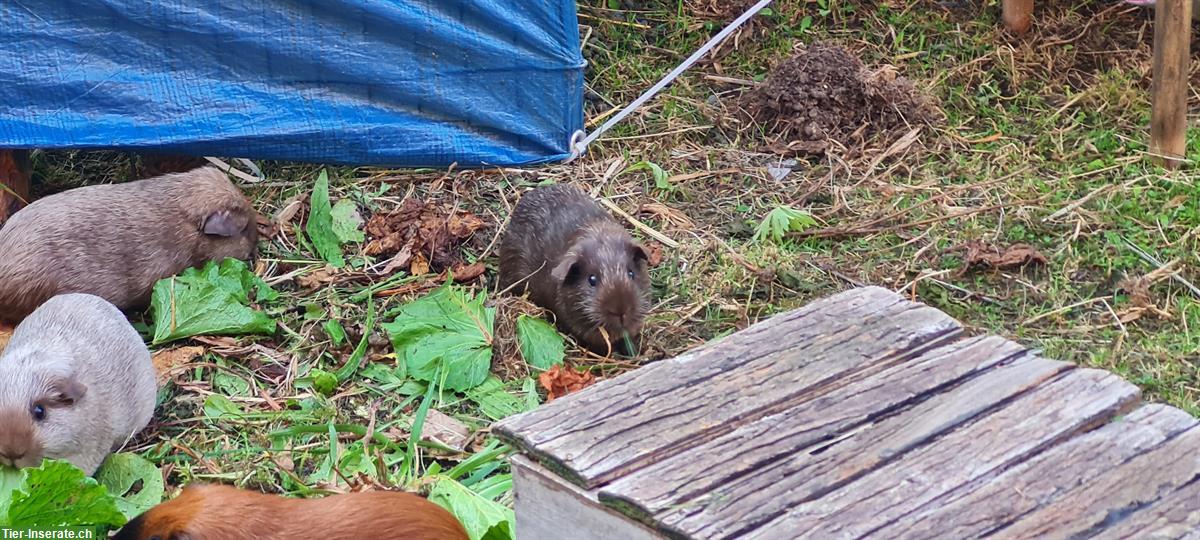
[[1017, 15], [14, 182], [1169, 87]]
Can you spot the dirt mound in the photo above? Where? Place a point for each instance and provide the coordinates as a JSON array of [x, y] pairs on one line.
[[824, 95]]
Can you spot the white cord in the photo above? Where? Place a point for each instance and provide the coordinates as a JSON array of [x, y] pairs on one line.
[[578, 148]]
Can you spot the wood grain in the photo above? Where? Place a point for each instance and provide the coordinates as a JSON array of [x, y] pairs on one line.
[[1074, 402], [760, 470], [1169, 83], [978, 509], [645, 416], [1138, 483], [548, 507], [14, 182], [1175, 515]]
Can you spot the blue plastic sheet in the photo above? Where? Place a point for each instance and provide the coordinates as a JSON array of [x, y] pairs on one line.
[[418, 83]]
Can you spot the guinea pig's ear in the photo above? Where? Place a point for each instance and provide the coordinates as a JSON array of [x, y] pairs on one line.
[[225, 223], [638, 251], [567, 269], [65, 392]]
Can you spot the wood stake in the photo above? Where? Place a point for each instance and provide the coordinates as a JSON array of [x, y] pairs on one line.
[[1017, 15], [14, 182], [1169, 88]]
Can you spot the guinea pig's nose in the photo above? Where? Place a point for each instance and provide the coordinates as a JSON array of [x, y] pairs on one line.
[[11, 454]]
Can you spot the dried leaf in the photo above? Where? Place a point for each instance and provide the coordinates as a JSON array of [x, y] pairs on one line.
[[402, 259], [317, 278], [560, 381], [167, 360], [419, 266], [980, 254], [468, 273], [669, 215], [654, 254], [445, 430]]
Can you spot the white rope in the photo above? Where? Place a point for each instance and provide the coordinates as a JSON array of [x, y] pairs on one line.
[[578, 148]]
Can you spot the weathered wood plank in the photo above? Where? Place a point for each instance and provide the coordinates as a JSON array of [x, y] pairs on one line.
[[760, 470], [1169, 82], [650, 414], [984, 507], [1076, 401], [549, 508], [1109, 497], [772, 488], [1176, 515]]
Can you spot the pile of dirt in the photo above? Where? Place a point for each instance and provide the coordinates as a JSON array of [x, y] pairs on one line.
[[824, 96]]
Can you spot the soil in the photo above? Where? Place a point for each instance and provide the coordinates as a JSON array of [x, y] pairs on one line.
[[823, 96]]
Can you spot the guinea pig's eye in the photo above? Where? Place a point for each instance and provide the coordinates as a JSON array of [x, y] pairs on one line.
[[39, 413], [630, 274], [593, 280]]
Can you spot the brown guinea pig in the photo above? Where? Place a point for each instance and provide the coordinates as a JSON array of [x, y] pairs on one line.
[[216, 512], [115, 241], [576, 261]]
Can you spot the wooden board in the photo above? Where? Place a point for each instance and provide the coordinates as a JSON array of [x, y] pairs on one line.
[[859, 416], [1137, 483], [549, 508], [979, 509], [650, 414], [760, 470], [1052, 412], [1175, 515]]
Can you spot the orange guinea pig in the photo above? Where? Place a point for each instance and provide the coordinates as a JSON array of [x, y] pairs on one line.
[[215, 512]]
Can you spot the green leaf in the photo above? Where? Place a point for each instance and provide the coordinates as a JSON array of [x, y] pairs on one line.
[[482, 517], [541, 345], [320, 224], [57, 494], [346, 222], [662, 180], [324, 382], [230, 384], [217, 406], [213, 300], [10, 480], [336, 333], [447, 332], [780, 221], [122, 472], [360, 352], [495, 401]]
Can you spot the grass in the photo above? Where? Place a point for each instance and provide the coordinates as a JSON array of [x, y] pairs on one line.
[[1043, 144]]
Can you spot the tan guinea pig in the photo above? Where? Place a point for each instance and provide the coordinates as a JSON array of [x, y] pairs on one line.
[[115, 241], [76, 382], [215, 512]]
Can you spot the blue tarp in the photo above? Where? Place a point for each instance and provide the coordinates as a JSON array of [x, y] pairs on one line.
[[401, 83]]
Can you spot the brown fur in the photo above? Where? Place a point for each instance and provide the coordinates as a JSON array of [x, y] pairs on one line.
[[214, 512], [115, 241], [17, 439], [558, 238]]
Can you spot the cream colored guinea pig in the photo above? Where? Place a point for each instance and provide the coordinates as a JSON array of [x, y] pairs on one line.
[[76, 382]]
